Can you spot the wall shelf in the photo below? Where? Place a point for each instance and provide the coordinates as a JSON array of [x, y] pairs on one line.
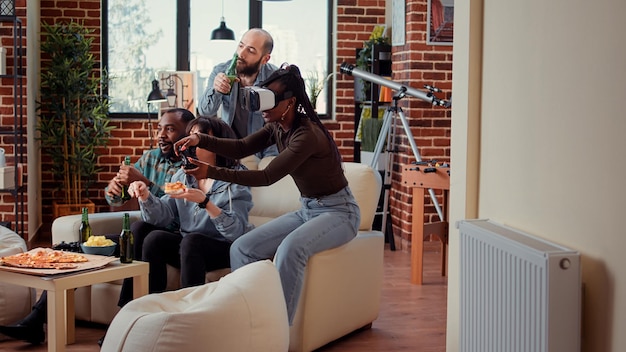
[[13, 135]]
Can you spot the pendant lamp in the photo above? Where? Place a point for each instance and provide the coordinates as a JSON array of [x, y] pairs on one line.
[[222, 32]]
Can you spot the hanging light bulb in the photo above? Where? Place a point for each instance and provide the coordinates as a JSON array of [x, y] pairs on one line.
[[222, 32]]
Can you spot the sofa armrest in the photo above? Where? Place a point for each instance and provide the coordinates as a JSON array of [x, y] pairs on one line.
[[66, 228], [345, 281]]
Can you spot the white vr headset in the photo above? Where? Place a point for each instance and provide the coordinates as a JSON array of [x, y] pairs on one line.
[[260, 99]]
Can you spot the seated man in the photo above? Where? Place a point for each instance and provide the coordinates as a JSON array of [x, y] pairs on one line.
[[155, 168]]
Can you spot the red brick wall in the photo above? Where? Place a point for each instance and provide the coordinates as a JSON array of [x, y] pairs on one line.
[[414, 64], [13, 130]]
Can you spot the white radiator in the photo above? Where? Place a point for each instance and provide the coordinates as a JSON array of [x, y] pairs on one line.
[[518, 293]]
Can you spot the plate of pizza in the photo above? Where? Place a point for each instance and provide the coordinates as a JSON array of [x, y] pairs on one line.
[[174, 187], [46, 261]]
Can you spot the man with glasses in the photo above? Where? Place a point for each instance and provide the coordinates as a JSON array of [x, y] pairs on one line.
[[253, 53]]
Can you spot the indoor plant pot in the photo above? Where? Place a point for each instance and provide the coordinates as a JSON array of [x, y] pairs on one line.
[[73, 110]]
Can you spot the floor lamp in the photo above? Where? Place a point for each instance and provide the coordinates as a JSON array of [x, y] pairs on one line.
[[155, 96]]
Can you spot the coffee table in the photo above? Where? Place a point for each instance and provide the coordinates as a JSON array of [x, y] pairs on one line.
[[61, 328]]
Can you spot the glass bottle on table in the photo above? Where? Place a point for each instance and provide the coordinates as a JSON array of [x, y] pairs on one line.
[[127, 251], [85, 229], [125, 195]]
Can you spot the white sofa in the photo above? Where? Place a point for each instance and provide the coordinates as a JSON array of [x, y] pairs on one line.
[[15, 301], [342, 288]]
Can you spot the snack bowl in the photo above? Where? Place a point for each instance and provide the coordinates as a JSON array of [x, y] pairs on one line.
[[99, 250]]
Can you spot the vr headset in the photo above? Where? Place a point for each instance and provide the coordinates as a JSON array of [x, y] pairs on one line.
[[260, 99]]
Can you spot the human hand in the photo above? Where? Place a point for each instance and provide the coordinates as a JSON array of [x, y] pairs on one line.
[[189, 141], [222, 83], [114, 189], [128, 174], [190, 194], [139, 189], [134, 174], [198, 172]]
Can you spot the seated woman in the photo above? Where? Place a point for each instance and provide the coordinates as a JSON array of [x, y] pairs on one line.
[[211, 214]]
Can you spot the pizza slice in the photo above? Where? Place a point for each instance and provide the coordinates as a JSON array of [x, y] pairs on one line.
[[175, 187]]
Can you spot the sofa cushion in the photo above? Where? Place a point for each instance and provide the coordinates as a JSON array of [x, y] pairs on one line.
[[243, 311], [283, 196]]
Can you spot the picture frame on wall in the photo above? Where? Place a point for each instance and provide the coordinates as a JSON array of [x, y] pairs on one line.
[[441, 22]]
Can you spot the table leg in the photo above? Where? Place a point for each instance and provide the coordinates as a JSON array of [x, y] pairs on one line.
[[56, 321], [140, 286], [70, 314], [417, 238]]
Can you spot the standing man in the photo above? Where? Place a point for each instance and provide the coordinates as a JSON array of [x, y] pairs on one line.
[[253, 53]]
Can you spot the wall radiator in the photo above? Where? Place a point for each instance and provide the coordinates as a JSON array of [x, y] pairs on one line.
[[518, 293]]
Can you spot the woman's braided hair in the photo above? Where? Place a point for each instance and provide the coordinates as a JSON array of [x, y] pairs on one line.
[[291, 80]]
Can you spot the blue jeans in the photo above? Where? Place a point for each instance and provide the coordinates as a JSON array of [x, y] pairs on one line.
[[321, 224]]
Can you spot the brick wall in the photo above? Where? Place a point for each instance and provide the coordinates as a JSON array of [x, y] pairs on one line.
[[13, 131], [414, 64]]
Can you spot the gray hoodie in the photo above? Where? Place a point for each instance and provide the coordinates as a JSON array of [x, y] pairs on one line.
[[234, 200]]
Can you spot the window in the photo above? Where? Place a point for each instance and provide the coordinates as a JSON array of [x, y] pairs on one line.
[[144, 37]]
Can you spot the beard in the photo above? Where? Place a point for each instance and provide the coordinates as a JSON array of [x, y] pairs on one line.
[[249, 69]]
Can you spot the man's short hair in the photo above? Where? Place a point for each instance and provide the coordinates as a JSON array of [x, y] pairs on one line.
[[185, 114]]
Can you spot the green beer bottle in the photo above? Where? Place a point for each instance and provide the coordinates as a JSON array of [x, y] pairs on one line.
[[127, 252], [125, 196], [231, 72], [85, 229]]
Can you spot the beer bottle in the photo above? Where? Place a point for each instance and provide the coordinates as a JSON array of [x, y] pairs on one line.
[[85, 229], [125, 196], [126, 242], [231, 72]]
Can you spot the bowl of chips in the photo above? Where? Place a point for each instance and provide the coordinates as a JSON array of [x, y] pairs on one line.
[[99, 245]]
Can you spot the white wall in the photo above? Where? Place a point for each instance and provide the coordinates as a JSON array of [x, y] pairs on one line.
[[538, 121]]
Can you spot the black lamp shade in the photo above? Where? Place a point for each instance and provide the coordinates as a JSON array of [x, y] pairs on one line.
[[155, 95], [222, 32]]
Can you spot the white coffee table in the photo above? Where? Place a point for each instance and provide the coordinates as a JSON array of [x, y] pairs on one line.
[[61, 328]]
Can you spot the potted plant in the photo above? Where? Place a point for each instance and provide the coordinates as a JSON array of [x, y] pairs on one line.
[[315, 85], [364, 59], [73, 111]]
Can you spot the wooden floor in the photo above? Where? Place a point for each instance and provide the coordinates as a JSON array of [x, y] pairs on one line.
[[412, 318]]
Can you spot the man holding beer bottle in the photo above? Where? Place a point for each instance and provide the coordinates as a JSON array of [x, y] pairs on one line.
[[156, 166], [251, 68]]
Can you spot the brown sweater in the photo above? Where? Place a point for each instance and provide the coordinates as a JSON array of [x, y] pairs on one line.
[[305, 153]]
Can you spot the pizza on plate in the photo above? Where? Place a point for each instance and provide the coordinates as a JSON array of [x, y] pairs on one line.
[[44, 259], [174, 187]]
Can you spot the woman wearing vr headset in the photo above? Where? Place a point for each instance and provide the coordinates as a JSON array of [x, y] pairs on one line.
[[329, 216]]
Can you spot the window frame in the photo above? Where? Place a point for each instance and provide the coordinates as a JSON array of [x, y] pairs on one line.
[[183, 54]]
